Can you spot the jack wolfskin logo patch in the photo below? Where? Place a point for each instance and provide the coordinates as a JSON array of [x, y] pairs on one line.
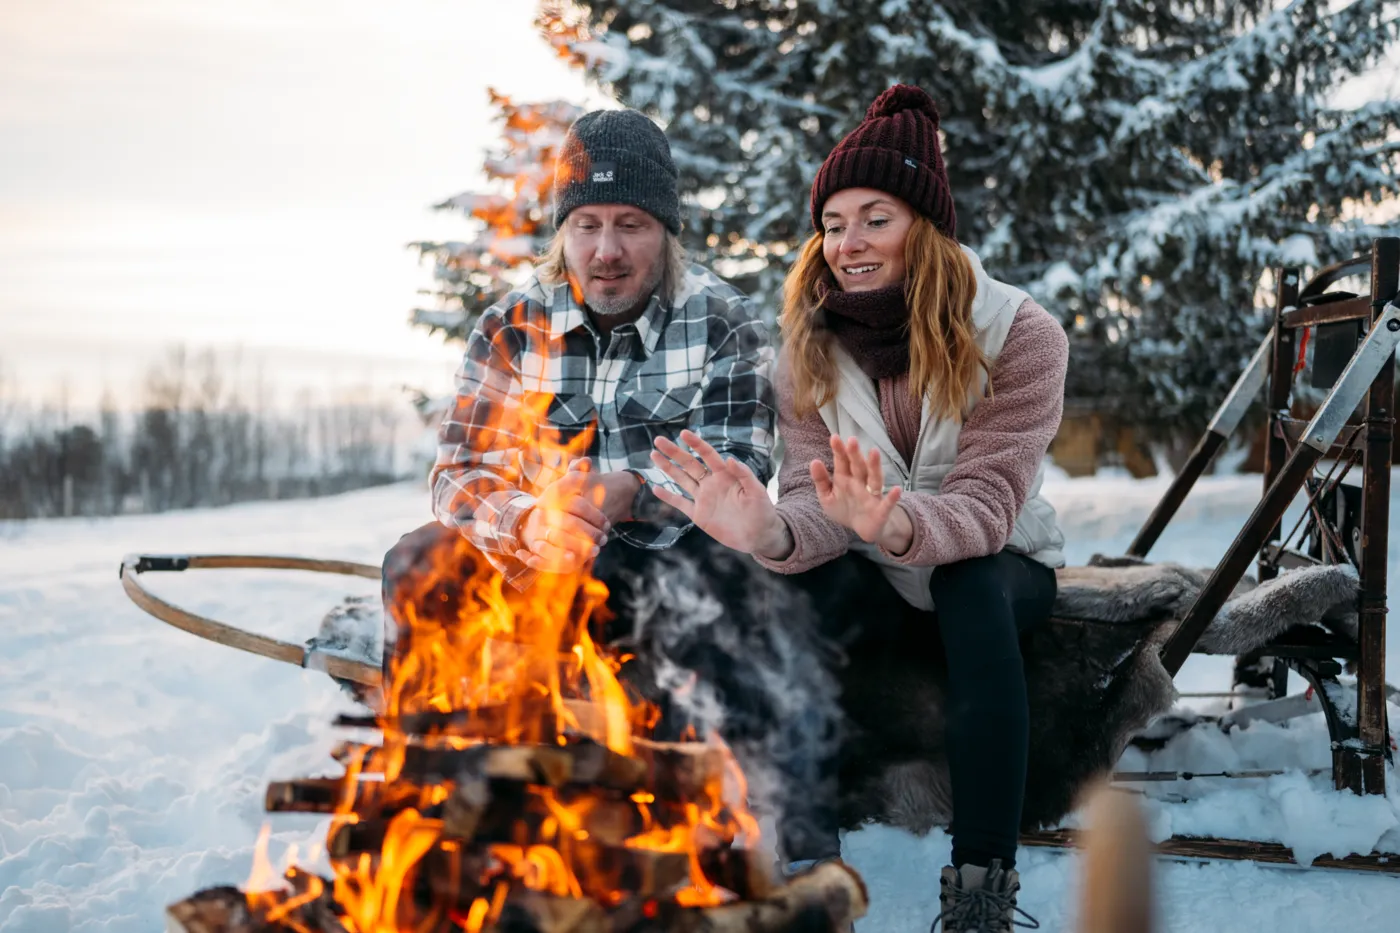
[[911, 163], [604, 172]]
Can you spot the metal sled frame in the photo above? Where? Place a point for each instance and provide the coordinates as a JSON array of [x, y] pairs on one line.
[[1359, 736], [1360, 744]]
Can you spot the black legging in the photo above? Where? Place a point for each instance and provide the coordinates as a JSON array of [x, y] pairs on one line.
[[982, 605]]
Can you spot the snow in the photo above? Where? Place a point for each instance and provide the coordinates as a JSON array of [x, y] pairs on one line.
[[133, 757], [1059, 277], [1298, 250], [1297, 808], [471, 204]]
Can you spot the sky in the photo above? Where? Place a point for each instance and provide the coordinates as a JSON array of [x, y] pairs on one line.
[[246, 174], [240, 174]]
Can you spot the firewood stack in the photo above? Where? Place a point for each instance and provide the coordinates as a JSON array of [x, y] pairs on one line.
[[514, 786], [445, 828]]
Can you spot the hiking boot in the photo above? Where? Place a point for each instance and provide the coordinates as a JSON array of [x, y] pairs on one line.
[[981, 900]]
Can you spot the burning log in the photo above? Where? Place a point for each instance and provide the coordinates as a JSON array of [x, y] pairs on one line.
[[329, 795], [746, 872], [225, 909], [642, 872], [307, 795], [830, 896], [680, 770], [532, 912], [536, 719], [214, 910], [549, 765], [473, 814], [669, 772], [581, 762], [486, 723], [462, 812]]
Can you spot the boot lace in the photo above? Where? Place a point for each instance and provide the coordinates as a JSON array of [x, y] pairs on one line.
[[982, 910]]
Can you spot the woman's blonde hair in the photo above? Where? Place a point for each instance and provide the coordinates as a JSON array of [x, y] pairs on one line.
[[551, 269], [939, 285]]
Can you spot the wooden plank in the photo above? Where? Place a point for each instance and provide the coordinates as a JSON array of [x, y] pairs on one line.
[[747, 872], [1206, 449], [1280, 388], [1210, 847], [1363, 770], [1331, 312], [680, 770], [581, 762]]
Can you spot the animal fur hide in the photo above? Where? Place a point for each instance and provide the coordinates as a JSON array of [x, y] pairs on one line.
[[719, 643], [1093, 676]]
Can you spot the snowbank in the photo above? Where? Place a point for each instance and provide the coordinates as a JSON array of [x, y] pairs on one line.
[[133, 757]]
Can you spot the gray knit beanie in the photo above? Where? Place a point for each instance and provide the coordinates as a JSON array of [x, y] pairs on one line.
[[617, 157]]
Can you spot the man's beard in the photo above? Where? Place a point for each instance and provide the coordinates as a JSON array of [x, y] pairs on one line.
[[614, 305]]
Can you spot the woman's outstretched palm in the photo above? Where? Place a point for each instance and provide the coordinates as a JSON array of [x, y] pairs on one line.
[[852, 492], [726, 501]]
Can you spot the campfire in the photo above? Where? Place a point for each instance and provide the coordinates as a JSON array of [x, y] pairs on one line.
[[515, 784]]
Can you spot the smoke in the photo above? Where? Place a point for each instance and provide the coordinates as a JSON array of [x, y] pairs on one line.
[[729, 649]]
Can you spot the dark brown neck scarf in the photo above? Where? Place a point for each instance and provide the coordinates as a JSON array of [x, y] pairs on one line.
[[873, 326]]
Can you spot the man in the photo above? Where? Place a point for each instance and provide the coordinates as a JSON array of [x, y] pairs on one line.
[[623, 339]]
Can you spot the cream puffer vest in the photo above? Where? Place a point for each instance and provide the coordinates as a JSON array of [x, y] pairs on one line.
[[855, 412]]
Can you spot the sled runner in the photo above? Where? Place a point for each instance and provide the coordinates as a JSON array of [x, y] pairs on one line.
[[339, 667]]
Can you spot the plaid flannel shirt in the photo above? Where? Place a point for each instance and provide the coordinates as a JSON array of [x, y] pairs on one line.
[[702, 361]]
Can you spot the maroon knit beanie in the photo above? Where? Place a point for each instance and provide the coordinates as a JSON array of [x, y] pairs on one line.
[[894, 149]]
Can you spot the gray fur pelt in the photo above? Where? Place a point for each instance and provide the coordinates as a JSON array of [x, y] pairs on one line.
[[1093, 676], [730, 647]]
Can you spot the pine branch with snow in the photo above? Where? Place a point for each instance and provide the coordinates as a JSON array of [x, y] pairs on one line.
[[509, 221], [1138, 167]]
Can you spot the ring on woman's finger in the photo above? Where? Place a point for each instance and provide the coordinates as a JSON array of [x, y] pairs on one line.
[[873, 492]]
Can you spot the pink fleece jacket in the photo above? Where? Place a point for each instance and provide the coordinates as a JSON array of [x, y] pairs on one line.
[[1000, 449]]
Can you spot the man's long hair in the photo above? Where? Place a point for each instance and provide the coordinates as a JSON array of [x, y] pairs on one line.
[[939, 286], [552, 271]]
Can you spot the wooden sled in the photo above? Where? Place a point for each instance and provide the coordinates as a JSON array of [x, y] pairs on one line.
[[1354, 360], [223, 633]]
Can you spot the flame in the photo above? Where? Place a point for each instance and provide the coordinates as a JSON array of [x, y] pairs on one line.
[[503, 666], [371, 894]]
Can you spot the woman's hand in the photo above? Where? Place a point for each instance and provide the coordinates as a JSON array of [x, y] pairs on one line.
[[726, 501], [852, 494]]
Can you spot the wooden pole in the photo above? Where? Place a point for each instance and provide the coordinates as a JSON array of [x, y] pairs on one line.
[[1363, 769]]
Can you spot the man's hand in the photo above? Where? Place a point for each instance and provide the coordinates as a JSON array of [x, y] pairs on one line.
[[566, 527], [613, 493], [727, 501], [572, 518], [852, 494]]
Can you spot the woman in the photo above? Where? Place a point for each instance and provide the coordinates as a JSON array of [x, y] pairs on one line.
[[917, 397]]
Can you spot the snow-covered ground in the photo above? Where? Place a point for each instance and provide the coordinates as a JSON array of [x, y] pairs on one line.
[[133, 757]]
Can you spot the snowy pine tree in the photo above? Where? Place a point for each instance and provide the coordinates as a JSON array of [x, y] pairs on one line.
[[1137, 165], [511, 218]]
